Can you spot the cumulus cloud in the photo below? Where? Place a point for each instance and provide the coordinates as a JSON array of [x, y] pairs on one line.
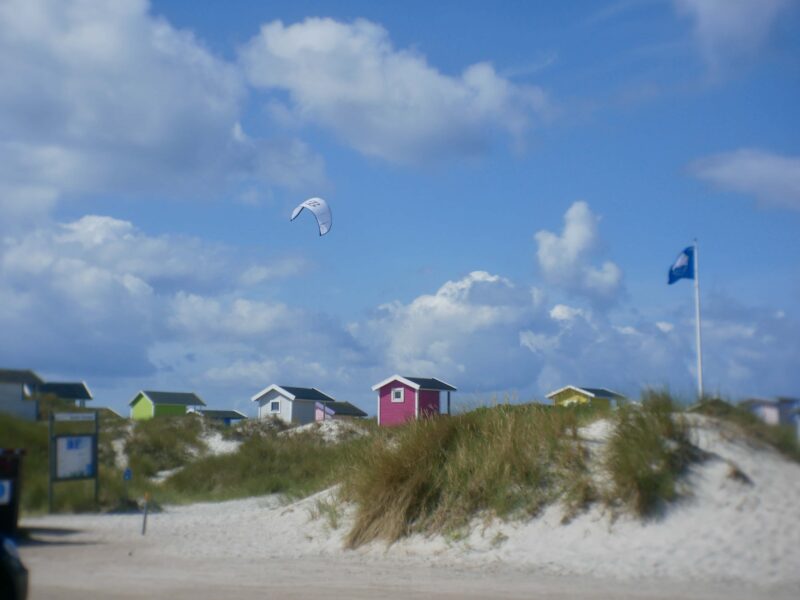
[[564, 260], [774, 180], [727, 30], [385, 102], [468, 330], [107, 292], [102, 96]]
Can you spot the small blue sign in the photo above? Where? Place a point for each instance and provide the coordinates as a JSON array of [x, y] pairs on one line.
[[5, 491], [127, 475]]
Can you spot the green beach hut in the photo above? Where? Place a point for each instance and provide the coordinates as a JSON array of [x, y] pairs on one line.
[[149, 404]]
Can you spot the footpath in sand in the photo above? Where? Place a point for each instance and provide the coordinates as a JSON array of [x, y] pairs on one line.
[[733, 538]]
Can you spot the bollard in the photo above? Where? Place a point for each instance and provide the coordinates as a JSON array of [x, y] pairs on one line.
[[144, 520]]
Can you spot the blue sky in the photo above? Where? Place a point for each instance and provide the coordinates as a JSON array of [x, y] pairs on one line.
[[508, 187]]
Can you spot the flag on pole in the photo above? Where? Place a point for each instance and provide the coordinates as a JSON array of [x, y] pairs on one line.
[[683, 267]]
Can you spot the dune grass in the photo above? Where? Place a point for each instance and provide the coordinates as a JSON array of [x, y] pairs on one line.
[[295, 466], [647, 453], [435, 475], [164, 443]]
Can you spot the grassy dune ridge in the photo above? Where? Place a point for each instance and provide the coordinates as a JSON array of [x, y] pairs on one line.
[[430, 476]]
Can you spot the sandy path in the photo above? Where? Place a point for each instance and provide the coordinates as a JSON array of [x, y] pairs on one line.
[[74, 558]]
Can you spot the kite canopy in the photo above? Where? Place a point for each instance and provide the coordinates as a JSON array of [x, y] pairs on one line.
[[321, 211]]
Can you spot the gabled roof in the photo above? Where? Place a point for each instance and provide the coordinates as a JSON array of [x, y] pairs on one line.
[[221, 414], [67, 390], [24, 377], [345, 409], [417, 383], [295, 393], [591, 392], [182, 398]]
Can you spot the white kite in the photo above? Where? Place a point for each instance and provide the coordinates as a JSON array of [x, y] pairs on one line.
[[321, 211]]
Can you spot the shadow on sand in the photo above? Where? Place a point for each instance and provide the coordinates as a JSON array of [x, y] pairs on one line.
[[49, 536]]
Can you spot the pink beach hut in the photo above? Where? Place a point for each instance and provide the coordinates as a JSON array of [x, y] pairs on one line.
[[402, 399]]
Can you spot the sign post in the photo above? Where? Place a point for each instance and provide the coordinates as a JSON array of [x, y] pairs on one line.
[[73, 456]]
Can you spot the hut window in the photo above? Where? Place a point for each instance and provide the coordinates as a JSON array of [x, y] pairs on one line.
[[397, 395], [275, 406]]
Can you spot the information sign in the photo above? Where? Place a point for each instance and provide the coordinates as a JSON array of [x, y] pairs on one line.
[[75, 457]]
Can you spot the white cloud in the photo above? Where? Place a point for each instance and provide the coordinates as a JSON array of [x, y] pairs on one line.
[[101, 96], [100, 293], [664, 326], [382, 101], [564, 259], [206, 317], [467, 331], [562, 312], [771, 178], [727, 30]]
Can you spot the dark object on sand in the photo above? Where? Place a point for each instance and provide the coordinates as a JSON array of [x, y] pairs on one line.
[[13, 574]]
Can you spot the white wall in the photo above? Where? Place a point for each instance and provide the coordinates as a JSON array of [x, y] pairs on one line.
[[264, 412], [12, 401]]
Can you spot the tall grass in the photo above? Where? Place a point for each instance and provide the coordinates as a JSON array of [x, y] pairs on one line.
[[436, 474], [295, 465], [164, 443], [647, 453]]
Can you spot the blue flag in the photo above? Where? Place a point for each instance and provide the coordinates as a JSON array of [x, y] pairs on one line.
[[683, 267]]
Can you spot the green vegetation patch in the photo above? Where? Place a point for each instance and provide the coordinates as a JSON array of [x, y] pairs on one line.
[[164, 443], [294, 465]]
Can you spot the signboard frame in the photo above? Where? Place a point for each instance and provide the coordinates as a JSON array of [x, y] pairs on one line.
[[54, 457]]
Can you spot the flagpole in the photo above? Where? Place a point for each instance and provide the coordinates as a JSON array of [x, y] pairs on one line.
[[697, 323]]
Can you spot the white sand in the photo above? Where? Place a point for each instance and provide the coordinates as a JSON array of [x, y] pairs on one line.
[[332, 430], [730, 539], [218, 445]]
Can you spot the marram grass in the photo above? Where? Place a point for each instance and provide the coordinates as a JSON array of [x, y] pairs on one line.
[[437, 474]]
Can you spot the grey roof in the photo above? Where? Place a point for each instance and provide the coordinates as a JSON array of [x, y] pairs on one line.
[[67, 390], [430, 383], [25, 377], [600, 392], [345, 409], [757, 402], [184, 398], [307, 393], [221, 414]]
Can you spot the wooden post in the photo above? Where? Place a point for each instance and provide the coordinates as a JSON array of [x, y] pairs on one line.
[[448, 403], [96, 460]]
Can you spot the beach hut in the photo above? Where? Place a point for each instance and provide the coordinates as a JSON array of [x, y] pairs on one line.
[[291, 404], [572, 395], [19, 392], [149, 404], [77, 392], [402, 398], [766, 410]]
